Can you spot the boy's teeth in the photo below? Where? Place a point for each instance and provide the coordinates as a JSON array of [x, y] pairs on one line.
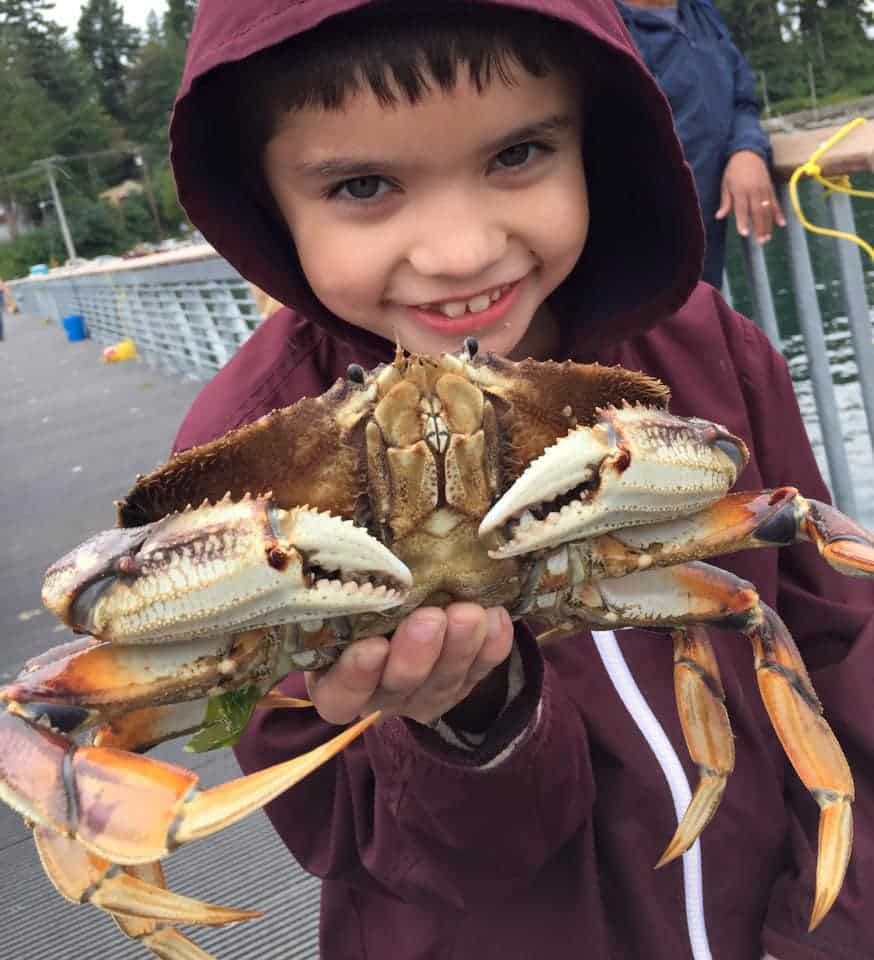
[[480, 303], [455, 308]]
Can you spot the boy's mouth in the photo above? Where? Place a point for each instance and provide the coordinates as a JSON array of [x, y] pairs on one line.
[[470, 315], [476, 304]]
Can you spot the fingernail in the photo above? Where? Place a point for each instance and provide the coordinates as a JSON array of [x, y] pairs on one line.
[[370, 658]]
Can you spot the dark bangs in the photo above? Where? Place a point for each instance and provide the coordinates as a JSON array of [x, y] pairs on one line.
[[401, 51]]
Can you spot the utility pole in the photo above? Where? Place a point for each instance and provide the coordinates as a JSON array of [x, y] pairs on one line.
[[48, 165], [812, 82]]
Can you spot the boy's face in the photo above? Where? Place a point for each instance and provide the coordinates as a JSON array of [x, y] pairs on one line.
[[426, 223]]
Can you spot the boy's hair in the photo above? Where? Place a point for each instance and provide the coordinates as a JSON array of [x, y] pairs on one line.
[[400, 50]]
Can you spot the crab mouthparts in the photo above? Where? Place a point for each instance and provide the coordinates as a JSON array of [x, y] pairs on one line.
[[223, 567]]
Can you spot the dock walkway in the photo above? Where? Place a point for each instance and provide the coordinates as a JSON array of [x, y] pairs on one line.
[[73, 434]]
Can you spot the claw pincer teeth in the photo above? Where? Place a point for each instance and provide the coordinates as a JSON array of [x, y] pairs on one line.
[[637, 465], [222, 566]]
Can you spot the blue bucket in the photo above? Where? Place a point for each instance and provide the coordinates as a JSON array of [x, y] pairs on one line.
[[75, 327]]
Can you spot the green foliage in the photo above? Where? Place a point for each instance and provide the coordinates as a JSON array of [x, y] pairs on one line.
[[98, 228], [790, 42], [164, 187], [36, 246], [179, 18], [108, 45], [152, 84]]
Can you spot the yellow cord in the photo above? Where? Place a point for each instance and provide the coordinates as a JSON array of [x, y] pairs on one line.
[[840, 184]]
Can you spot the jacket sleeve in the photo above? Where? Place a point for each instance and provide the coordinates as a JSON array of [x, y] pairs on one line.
[[832, 620], [747, 132], [423, 820]]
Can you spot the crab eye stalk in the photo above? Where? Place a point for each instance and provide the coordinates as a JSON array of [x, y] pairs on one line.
[[355, 373], [471, 346]]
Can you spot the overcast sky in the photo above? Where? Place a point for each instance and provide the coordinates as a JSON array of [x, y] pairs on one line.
[[66, 12]]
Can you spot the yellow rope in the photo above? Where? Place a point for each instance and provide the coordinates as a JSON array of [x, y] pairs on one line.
[[840, 184]]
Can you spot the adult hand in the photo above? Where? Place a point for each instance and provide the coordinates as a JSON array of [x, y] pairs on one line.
[[747, 187], [434, 660]]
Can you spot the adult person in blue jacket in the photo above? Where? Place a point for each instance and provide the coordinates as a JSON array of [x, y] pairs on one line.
[[711, 88]]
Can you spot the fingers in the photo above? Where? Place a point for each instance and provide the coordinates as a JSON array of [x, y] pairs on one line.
[[434, 660], [431, 656], [496, 646], [747, 188], [342, 692], [724, 201], [763, 216], [742, 211]]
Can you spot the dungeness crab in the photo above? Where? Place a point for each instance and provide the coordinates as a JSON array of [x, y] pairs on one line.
[[567, 493]]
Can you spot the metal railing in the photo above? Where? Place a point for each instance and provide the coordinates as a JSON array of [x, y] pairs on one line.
[[858, 310], [187, 311]]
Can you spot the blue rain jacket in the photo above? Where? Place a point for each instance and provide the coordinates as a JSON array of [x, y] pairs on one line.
[[712, 91]]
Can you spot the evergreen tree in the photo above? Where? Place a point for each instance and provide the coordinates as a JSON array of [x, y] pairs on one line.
[[153, 81], [179, 18], [108, 44], [153, 28]]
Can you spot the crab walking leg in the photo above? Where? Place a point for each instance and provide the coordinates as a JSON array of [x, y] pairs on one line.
[[699, 593], [845, 545], [738, 521], [742, 521], [164, 942], [796, 715], [87, 792], [83, 877], [161, 940], [707, 731], [275, 699]]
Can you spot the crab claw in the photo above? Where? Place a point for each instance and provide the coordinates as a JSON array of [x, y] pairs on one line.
[[228, 566], [637, 465]]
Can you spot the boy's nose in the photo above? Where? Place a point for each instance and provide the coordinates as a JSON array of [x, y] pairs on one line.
[[457, 247]]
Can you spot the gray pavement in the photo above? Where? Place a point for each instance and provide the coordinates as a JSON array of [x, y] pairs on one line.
[[74, 432]]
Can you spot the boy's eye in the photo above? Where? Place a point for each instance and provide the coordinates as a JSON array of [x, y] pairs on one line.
[[361, 188], [518, 155]]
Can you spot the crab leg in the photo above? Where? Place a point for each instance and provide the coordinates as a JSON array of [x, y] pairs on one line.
[[707, 731], [796, 715], [698, 593], [743, 521], [223, 567], [111, 679], [83, 877], [84, 792]]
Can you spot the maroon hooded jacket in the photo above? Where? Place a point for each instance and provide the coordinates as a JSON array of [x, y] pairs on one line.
[[546, 849]]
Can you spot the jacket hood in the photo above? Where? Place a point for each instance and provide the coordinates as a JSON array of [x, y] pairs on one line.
[[645, 247]]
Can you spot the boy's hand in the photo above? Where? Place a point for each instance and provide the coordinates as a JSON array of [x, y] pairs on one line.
[[434, 660], [746, 186]]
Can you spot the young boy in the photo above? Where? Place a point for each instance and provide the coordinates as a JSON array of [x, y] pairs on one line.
[[426, 172]]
